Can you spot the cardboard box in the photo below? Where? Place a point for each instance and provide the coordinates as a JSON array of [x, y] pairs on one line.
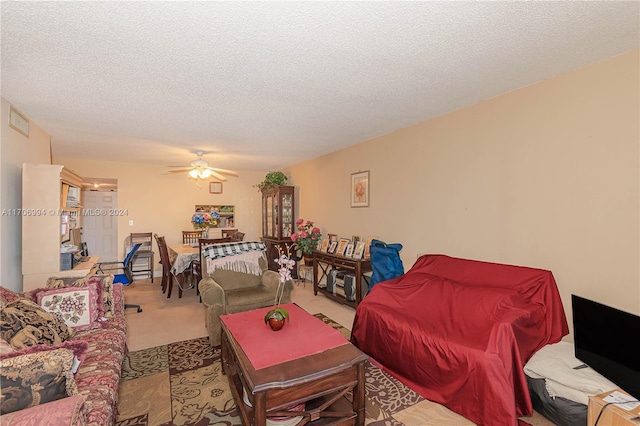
[[610, 415]]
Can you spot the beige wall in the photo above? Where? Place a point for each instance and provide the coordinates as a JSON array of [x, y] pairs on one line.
[[163, 204], [546, 176], [15, 150]]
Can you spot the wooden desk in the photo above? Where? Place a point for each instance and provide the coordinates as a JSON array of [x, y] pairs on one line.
[[80, 269], [88, 265], [322, 262], [612, 415]]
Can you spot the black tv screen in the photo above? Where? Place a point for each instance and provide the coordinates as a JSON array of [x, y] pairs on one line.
[[607, 340]]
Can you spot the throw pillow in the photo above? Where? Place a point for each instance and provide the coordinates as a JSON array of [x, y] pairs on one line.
[[71, 411], [78, 307], [5, 347], [79, 348], [24, 323], [36, 378], [7, 296], [105, 280]]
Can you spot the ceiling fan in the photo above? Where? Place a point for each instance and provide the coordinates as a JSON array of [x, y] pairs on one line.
[[200, 169]]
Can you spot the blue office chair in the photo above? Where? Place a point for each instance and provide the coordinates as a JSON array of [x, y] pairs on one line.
[[124, 278]]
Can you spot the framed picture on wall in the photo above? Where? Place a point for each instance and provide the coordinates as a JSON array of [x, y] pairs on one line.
[[360, 189], [215, 187], [18, 122]]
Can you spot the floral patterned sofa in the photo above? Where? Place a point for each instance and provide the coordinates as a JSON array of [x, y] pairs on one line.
[[44, 333]]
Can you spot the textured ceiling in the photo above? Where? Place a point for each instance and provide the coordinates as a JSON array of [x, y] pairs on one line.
[[264, 85]]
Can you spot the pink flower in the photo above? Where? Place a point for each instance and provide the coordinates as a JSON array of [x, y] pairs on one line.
[[306, 239]]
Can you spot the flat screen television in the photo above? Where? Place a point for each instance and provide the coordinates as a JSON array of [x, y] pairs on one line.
[[608, 340]]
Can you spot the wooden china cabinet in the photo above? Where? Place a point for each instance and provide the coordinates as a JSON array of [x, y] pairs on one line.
[[277, 221]]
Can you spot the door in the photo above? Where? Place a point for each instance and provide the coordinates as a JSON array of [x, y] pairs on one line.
[[100, 229]]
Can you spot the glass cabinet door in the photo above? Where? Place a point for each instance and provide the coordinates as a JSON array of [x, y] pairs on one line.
[[287, 215], [278, 212], [269, 215]]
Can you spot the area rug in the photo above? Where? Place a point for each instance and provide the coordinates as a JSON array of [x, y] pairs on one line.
[[182, 384]]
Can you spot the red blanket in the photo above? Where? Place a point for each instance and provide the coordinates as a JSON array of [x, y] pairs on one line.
[[460, 331]]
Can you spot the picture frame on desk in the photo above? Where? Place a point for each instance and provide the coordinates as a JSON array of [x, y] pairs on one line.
[[325, 245], [367, 247], [332, 247], [342, 246], [358, 251], [349, 250]]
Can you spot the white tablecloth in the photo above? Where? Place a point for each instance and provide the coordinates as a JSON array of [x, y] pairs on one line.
[[181, 256]]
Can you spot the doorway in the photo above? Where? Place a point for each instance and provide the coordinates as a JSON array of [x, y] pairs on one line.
[[99, 228]]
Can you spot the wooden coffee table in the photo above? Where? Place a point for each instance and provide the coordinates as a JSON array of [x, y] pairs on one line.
[[321, 380]]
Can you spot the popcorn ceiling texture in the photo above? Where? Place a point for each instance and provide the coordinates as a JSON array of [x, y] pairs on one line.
[[156, 81]]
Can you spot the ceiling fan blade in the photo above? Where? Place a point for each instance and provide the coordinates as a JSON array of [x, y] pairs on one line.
[[184, 167], [217, 175], [178, 171], [224, 171]]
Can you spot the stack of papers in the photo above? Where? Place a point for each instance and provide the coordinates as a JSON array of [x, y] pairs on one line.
[[68, 248]]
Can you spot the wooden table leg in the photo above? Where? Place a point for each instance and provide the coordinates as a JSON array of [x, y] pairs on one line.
[[260, 409], [359, 397]]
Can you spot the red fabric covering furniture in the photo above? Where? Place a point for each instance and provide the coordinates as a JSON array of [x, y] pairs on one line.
[[460, 331]]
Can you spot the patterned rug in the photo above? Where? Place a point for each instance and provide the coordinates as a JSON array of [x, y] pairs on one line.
[[182, 384]]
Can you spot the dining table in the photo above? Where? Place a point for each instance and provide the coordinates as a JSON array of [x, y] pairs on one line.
[[181, 256]]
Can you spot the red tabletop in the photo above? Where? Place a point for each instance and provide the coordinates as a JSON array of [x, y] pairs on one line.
[[302, 335]]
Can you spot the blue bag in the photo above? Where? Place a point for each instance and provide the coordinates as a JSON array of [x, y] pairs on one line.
[[385, 262]]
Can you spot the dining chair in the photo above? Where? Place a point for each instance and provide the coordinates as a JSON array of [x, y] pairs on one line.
[[196, 265], [238, 236], [228, 233], [167, 276], [144, 254], [126, 277], [189, 237]]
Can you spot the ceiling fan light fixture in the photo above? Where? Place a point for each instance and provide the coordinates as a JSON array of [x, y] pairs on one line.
[[200, 169]]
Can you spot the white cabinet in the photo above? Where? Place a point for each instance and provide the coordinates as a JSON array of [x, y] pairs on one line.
[[50, 212]]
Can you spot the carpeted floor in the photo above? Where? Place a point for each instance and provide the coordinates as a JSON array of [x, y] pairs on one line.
[[182, 384]]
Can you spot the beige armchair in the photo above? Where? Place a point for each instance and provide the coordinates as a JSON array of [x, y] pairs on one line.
[[227, 292]]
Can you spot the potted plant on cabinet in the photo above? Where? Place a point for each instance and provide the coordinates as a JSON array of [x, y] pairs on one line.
[[277, 316], [272, 179]]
